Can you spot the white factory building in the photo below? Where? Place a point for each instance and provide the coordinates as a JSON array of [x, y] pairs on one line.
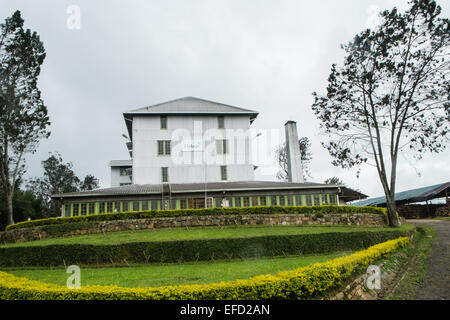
[[194, 153]]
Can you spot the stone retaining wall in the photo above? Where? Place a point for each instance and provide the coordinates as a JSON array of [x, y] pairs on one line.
[[73, 229]]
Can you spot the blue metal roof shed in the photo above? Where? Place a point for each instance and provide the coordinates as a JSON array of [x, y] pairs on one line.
[[410, 196]]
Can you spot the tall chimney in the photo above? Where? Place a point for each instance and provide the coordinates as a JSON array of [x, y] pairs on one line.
[[294, 161]]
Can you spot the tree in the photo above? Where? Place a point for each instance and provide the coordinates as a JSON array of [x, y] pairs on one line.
[[25, 206], [305, 154], [58, 177], [334, 180], [89, 183], [391, 94], [23, 115]]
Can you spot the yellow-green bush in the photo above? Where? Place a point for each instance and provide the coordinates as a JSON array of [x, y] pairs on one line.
[[299, 283]]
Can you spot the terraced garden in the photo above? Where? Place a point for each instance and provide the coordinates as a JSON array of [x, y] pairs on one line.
[[238, 261]]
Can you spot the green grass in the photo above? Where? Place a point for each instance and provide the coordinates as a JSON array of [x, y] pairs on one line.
[[154, 275], [414, 259], [168, 234]]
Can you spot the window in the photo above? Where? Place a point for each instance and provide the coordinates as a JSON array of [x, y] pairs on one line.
[[282, 201], [75, 209], [222, 146], [135, 205], [154, 204], [308, 200], [324, 199], [274, 200], [332, 199], [83, 209], [183, 204], [221, 122], [101, 207], [109, 207], [262, 200], [246, 202], [254, 201], [145, 205], [117, 206], [289, 200], [298, 200], [163, 122], [66, 210], [238, 201], [91, 208], [223, 173], [165, 174], [316, 200], [126, 171], [209, 202], [163, 147]]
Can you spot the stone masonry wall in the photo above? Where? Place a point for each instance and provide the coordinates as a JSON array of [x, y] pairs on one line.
[[73, 229]]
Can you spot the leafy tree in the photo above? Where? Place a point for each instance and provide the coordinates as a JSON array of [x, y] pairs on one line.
[[25, 206], [58, 177], [89, 183], [305, 154], [334, 180], [391, 94], [23, 115]]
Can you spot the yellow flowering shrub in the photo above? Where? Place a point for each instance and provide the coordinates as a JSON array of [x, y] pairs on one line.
[[299, 283]]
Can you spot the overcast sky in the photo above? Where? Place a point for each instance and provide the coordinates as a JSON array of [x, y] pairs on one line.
[[267, 56]]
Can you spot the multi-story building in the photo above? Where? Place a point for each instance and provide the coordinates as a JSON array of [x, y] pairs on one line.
[[194, 153]]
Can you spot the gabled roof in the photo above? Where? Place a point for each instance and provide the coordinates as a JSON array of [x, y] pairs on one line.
[[410, 196], [187, 106], [191, 105]]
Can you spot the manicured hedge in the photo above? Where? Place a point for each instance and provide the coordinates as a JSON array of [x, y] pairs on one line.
[[201, 212], [301, 283], [193, 250]]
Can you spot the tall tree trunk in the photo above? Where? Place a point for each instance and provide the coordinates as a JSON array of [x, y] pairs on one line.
[[9, 205], [392, 211]]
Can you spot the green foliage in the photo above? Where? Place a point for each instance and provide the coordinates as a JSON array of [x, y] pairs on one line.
[[193, 250], [25, 205], [390, 95], [301, 283], [23, 115], [58, 178], [329, 209]]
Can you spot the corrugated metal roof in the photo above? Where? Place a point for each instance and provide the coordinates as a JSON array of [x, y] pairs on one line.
[[139, 189], [191, 105], [413, 195]]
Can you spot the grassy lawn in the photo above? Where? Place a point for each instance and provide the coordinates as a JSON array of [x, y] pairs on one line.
[[174, 274], [168, 234]]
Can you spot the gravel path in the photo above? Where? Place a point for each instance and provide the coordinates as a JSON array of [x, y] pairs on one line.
[[436, 283]]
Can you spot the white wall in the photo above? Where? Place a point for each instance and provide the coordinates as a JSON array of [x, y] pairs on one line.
[[188, 166], [117, 179]]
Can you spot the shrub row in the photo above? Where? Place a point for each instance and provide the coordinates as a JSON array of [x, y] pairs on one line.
[[328, 209], [301, 283], [193, 250]]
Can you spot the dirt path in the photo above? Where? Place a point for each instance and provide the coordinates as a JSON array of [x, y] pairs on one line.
[[436, 283]]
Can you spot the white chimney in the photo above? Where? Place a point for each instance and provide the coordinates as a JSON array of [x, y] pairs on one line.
[[294, 161]]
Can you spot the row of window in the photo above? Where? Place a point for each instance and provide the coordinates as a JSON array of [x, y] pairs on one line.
[[196, 203], [163, 147], [220, 122]]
